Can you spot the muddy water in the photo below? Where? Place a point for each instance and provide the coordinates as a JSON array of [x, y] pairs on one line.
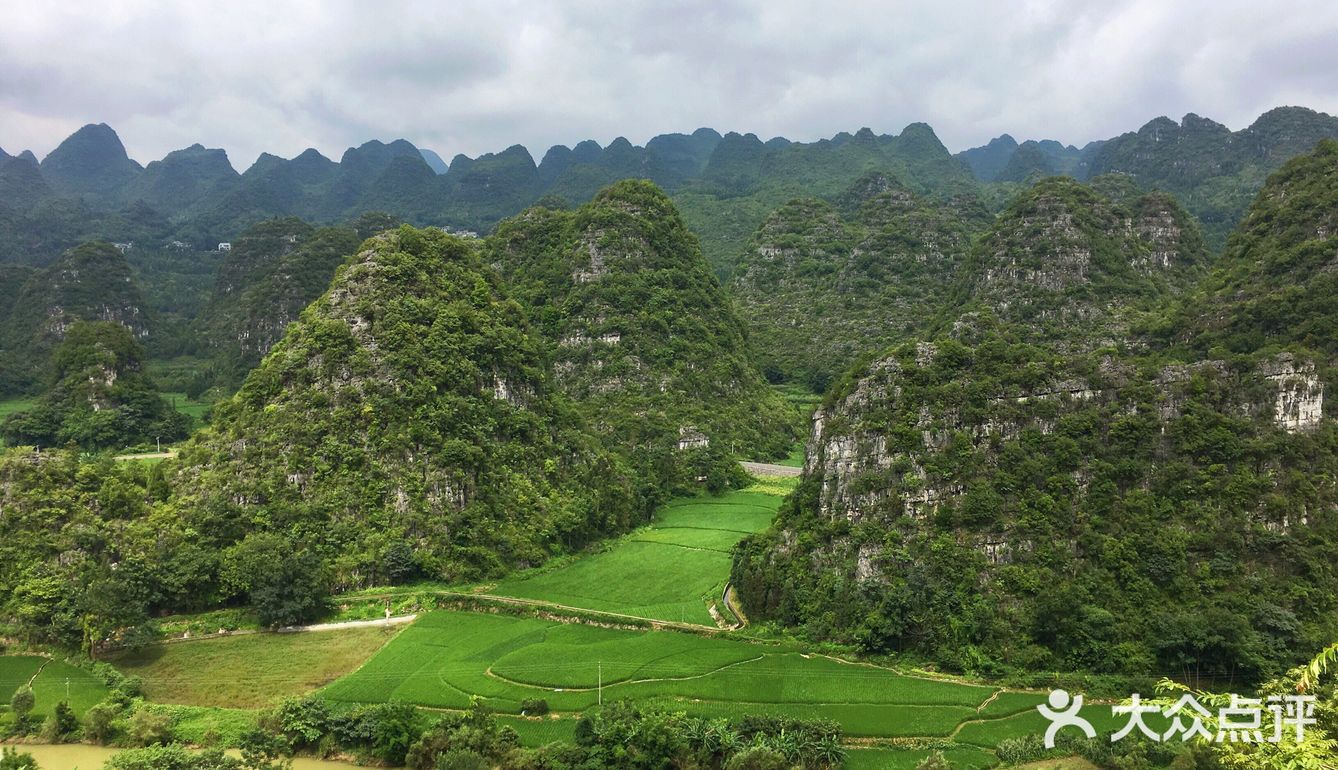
[[74, 756]]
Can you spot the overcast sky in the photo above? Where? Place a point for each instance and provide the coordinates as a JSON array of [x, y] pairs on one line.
[[473, 77]]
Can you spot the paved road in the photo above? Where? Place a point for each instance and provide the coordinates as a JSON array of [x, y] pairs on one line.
[[767, 469]]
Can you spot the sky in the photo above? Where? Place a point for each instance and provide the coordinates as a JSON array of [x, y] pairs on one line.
[[458, 76]]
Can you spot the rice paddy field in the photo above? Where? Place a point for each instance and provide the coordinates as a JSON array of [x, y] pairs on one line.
[[674, 569], [52, 681], [671, 570], [446, 658]]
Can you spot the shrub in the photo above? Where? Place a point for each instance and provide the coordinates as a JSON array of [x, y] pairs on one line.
[[149, 727], [463, 759], [757, 758], [12, 760], [1016, 751], [534, 707], [935, 761]]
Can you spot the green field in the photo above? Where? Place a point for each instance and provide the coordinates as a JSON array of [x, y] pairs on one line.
[[12, 405], [250, 671], [15, 672], [674, 569], [447, 657], [193, 409], [55, 681]]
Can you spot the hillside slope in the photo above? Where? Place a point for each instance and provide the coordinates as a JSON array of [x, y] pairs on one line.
[[820, 285], [1025, 495], [645, 340], [407, 407]]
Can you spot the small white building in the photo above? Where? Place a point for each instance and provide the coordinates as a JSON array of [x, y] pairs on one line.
[[180, 245], [225, 247], [123, 247]]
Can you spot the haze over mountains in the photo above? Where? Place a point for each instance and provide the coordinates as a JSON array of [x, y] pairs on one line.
[[725, 184]]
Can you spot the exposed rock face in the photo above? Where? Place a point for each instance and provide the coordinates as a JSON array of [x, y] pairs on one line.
[[966, 476], [1300, 393], [410, 403], [1067, 262], [91, 283], [821, 284], [644, 338]]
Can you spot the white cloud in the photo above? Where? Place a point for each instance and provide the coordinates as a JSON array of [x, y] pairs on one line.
[[474, 77]]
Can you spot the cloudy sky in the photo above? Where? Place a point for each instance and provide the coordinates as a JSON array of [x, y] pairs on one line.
[[462, 76]]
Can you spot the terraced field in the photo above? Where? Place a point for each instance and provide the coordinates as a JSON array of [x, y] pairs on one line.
[[54, 681], [674, 569], [448, 657]]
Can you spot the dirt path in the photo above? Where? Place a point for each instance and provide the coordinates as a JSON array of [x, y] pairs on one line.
[[396, 620], [148, 456], [768, 469]]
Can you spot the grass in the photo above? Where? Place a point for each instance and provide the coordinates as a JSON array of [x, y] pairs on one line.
[[205, 726], [188, 406], [447, 657], [674, 569], [541, 731], [11, 405], [15, 672], [60, 681], [964, 758], [250, 671]]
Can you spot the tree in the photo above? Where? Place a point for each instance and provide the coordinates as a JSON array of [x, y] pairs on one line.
[[286, 586], [148, 727], [22, 702], [61, 724], [99, 722], [11, 759]]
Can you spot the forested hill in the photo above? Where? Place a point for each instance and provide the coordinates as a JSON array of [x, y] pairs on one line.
[[724, 185], [645, 341], [92, 282], [407, 409], [822, 283], [1212, 170], [1008, 495]]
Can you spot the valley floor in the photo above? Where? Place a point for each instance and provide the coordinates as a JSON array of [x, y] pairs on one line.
[[643, 618]]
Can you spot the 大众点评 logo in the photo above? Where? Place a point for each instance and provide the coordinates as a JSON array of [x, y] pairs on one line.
[[1240, 721]]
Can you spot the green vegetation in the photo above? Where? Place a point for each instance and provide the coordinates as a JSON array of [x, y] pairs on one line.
[[51, 681], [1072, 513], [274, 270], [821, 284], [1069, 265], [445, 658], [403, 428], [101, 397], [646, 342], [673, 569], [91, 283], [1214, 171], [1274, 284], [251, 671]]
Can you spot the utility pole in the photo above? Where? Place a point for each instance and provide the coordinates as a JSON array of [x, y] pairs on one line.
[[600, 684], [67, 689]]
